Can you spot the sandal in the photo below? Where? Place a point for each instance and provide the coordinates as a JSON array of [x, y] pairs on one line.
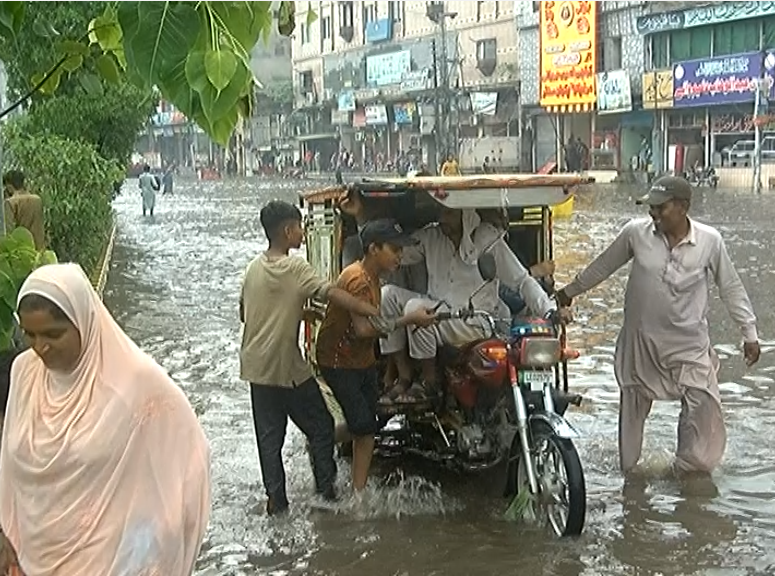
[[398, 389], [418, 393]]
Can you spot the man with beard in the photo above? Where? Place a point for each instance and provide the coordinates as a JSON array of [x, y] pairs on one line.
[[663, 351]]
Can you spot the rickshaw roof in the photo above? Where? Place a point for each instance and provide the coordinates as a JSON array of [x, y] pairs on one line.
[[471, 191]]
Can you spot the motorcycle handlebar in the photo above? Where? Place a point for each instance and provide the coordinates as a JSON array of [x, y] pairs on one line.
[[465, 314]]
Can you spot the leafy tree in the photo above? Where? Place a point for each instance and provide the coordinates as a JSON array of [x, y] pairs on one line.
[[75, 183], [111, 121], [196, 53]]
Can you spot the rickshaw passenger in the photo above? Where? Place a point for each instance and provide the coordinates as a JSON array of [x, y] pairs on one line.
[[450, 251]]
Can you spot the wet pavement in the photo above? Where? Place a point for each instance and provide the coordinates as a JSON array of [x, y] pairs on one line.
[[174, 286]]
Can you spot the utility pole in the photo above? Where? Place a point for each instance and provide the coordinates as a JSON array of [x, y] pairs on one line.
[[760, 112], [446, 130]]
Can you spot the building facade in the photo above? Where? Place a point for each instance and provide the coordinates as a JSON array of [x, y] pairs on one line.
[[705, 64], [585, 82], [269, 136], [383, 79]]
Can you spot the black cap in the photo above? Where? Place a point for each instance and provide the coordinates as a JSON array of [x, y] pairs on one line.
[[385, 231], [665, 189]]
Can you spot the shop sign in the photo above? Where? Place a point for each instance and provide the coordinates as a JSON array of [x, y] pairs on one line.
[[386, 69], [614, 94], [568, 55], [658, 89], [346, 101], [416, 81], [715, 13], [376, 115], [722, 80]]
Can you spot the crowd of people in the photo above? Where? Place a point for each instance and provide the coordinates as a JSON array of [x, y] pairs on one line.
[[105, 469]]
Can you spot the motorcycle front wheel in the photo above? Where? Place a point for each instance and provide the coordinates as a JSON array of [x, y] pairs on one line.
[[562, 498]]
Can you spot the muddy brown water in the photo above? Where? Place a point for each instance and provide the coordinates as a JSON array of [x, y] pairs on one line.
[[174, 287]]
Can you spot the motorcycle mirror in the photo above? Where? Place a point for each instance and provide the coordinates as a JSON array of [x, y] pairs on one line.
[[487, 266]]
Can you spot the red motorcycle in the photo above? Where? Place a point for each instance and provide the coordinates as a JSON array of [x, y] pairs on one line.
[[504, 399]]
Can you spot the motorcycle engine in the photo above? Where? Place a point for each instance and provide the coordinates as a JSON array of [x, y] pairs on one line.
[[473, 443]]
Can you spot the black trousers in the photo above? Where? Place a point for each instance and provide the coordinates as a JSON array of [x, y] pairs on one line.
[[305, 406]]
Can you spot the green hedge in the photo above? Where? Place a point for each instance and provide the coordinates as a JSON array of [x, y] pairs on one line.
[[76, 185]]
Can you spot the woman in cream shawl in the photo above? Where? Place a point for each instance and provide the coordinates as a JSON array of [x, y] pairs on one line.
[[104, 469]]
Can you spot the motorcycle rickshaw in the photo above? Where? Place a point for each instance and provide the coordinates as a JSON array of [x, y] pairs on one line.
[[505, 396]]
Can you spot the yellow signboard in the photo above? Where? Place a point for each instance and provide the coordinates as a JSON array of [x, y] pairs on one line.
[[568, 55], [658, 89]]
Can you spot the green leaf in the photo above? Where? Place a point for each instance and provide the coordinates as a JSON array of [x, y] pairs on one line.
[[219, 104], [311, 16], [196, 75], [220, 65], [244, 21], [11, 17], [91, 83], [107, 68], [220, 130], [23, 237], [72, 47], [72, 63], [46, 257], [44, 29], [286, 18], [120, 58], [107, 31], [162, 42], [51, 84]]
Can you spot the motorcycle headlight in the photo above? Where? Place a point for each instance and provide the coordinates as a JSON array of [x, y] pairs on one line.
[[540, 352]]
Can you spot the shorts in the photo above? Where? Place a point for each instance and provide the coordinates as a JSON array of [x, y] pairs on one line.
[[357, 391]]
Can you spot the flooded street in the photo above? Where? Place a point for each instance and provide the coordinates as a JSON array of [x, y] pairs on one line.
[[174, 286]]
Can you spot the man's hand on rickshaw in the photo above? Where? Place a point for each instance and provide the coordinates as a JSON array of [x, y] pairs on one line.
[[542, 269], [421, 318], [351, 203], [311, 315], [563, 299], [751, 351]]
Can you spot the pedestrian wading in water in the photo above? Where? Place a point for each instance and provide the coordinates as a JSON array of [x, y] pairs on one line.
[[663, 351], [346, 340], [149, 185], [104, 468], [275, 288]]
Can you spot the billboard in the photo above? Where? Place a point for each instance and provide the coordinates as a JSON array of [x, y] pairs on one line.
[[568, 56]]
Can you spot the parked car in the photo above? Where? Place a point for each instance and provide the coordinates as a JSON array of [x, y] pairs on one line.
[[741, 152]]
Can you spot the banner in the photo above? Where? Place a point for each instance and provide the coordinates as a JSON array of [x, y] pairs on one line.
[[722, 80], [658, 89], [568, 55], [484, 103], [614, 94]]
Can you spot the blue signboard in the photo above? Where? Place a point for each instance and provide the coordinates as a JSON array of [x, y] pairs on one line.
[[379, 30], [721, 80]]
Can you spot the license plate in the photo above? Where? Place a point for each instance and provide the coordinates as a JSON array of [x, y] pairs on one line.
[[537, 380]]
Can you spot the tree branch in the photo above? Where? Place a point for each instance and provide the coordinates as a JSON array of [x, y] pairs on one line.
[[35, 88]]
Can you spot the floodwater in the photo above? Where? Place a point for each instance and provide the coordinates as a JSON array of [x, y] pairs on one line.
[[174, 287]]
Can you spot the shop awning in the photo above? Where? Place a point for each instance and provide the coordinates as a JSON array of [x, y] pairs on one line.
[[310, 137], [570, 108]]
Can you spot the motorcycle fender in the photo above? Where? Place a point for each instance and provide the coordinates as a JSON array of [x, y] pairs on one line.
[[561, 427]]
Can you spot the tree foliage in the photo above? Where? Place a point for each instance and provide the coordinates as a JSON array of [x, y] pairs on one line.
[[18, 258], [111, 122], [75, 184], [196, 53]]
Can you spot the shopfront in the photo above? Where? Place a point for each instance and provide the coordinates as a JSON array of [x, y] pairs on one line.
[[713, 104], [614, 100], [568, 67]]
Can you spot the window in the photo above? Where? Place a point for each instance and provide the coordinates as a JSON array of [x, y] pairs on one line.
[[497, 9], [690, 44], [486, 50], [768, 33], [479, 10], [736, 37], [346, 14], [325, 28], [536, 6], [306, 31], [395, 10], [305, 82], [659, 51], [611, 54], [369, 13]]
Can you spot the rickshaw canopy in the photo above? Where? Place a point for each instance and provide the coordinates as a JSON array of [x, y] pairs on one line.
[[460, 192]]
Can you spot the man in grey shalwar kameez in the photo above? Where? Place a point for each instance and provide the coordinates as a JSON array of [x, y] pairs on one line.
[[148, 187], [663, 351]]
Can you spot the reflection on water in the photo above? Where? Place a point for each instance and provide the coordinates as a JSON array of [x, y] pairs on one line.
[[174, 286]]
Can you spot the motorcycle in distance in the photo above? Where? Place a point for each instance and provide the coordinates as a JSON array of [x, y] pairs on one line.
[[502, 401], [703, 177]]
